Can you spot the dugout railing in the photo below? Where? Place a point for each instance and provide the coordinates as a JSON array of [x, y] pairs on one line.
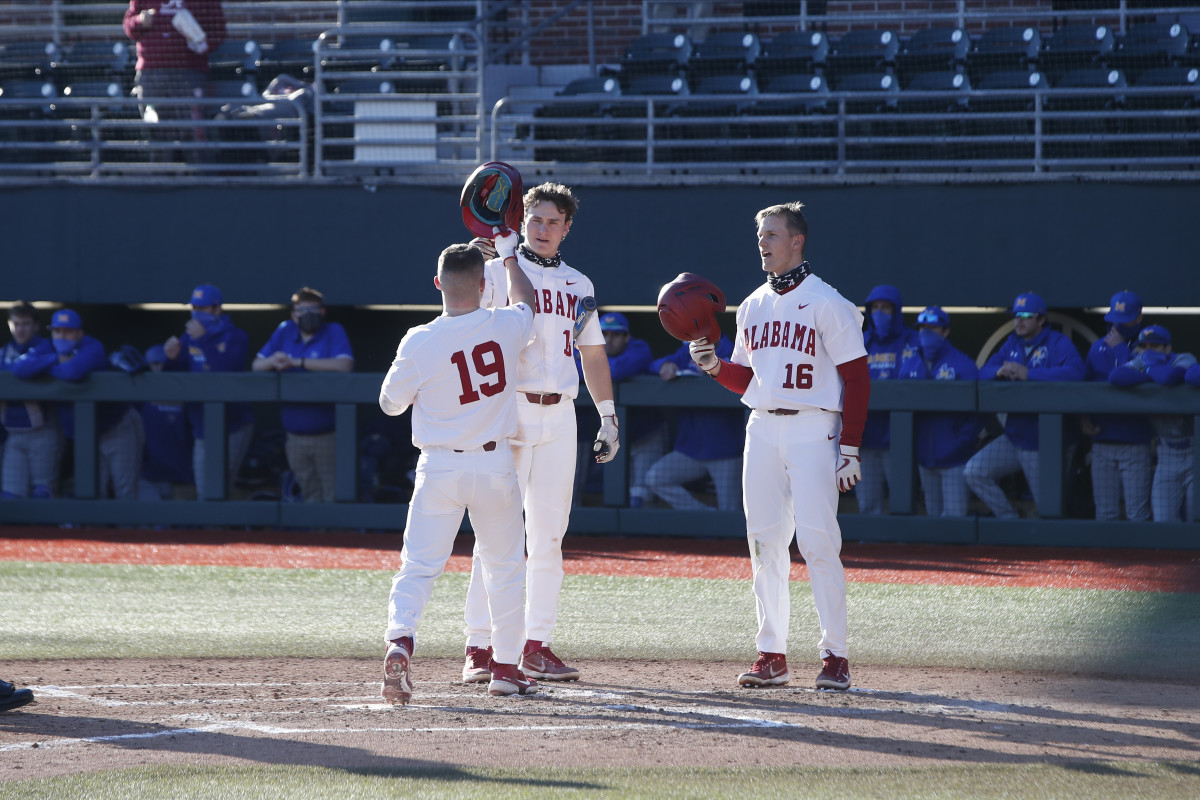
[[1053, 403]]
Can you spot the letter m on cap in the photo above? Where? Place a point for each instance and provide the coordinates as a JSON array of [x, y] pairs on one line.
[[1119, 306]]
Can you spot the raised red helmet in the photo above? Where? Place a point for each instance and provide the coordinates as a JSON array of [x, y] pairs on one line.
[[492, 198], [688, 308]]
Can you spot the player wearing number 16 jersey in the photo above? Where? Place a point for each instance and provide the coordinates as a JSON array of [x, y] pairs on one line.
[[800, 365], [459, 375]]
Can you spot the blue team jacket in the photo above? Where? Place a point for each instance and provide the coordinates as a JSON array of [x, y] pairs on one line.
[[1115, 428], [168, 455], [886, 351], [944, 440], [633, 361], [705, 434], [1051, 357], [16, 415], [89, 356], [222, 350]]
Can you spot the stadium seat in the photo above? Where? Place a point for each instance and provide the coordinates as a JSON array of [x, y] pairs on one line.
[[1064, 98], [868, 83], [933, 50], [29, 60], [1016, 92], [235, 59], [724, 53], [575, 121], [1185, 97], [95, 61], [952, 88], [1075, 47], [801, 102], [655, 54], [635, 126], [1003, 50], [791, 53], [730, 110], [862, 51], [1148, 46], [229, 90], [287, 56], [39, 95]]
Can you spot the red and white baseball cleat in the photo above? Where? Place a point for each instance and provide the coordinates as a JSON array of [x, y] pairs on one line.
[[397, 680], [538, 662], [508, 680], [477, 668], [835, 673], [770, 669]]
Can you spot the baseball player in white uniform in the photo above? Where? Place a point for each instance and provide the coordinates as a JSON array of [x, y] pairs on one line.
[[458, 374], [545, 445], [800, 365]]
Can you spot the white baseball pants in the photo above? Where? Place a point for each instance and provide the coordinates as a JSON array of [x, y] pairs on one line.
[[789, 489], [945, 491], [1173, 478], [544, 452], [1121, 469], [999, 458], [876, 478], [485, 485]]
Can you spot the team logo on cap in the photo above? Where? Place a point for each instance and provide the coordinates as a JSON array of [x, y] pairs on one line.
[[1020, 302], [1119, 306], [63, 319], [197, 295]]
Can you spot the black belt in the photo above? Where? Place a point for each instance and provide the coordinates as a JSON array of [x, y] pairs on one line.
[[783, 412], [542, 399], [488, 447]]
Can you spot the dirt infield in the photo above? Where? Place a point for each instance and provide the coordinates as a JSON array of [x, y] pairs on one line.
[[109, 714], [97, 715]]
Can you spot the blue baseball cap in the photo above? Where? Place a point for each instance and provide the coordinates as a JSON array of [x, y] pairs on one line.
[[614, 321], [65, 318], [205, 295], [1154, 334], [1124, 307], [156, 355], [934, 315], [1028, 303]]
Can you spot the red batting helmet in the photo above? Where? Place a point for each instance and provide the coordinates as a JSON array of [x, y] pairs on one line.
[[688, 307], [491, 198]]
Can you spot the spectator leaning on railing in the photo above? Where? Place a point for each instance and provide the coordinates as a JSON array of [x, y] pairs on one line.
[[1120, 442], [945, 441], [33, 448], [118, 427], [1155, 360], [307, 343], [1032, 353], [889, 342]]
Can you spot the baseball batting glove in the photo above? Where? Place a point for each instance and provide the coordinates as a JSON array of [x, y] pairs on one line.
[[849, 468], [704, 353], [607, 440], [506, 243], [486, 245]]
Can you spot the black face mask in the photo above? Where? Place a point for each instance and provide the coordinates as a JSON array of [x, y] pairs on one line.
[[309, 321]]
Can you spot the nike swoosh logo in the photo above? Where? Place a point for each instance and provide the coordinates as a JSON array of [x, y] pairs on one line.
[[572, 283], [845, 462], [831, 437], [803, 306]]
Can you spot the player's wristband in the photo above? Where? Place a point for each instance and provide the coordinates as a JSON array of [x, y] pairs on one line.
[[606, 408]]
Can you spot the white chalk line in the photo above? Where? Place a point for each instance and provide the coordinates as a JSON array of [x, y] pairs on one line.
[[710, 719]]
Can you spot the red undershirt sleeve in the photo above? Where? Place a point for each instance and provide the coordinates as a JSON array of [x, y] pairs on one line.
[[734, 377], [857, 379]]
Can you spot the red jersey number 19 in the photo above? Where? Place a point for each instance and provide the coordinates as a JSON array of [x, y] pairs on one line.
[[488, 361]]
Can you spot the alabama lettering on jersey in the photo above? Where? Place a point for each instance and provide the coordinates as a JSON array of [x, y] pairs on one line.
[[457, 374], [794, 342], [548, 363]]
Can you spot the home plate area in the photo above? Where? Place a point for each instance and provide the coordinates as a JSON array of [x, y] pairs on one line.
[[327, 712]]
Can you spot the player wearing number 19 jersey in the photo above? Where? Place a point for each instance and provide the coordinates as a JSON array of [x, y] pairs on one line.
[[459, 375], [800, 365]]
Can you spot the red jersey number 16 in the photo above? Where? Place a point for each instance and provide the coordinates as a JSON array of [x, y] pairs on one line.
[[803, 378], [488, 361]]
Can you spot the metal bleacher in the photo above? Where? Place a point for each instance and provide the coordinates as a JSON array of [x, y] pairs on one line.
[[424, 91]]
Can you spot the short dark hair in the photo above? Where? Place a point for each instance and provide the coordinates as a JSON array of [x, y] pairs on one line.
[[459, 259], [562, 197], [22, 309], [793, 217], [307, 294]]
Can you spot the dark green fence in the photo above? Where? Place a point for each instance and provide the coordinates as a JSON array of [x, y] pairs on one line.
[[1052, 402]]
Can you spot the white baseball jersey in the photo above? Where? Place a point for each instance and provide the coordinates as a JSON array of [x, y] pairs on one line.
[[457, 374], [794, 342], [548, 364]]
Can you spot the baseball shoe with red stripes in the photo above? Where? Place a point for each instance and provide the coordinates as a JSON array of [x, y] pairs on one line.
[[477, 668], [537, 661], [769, 669], [835, 672], [397, 680], [508, 680]]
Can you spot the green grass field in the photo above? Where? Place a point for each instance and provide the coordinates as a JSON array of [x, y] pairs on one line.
[[112, 611]]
